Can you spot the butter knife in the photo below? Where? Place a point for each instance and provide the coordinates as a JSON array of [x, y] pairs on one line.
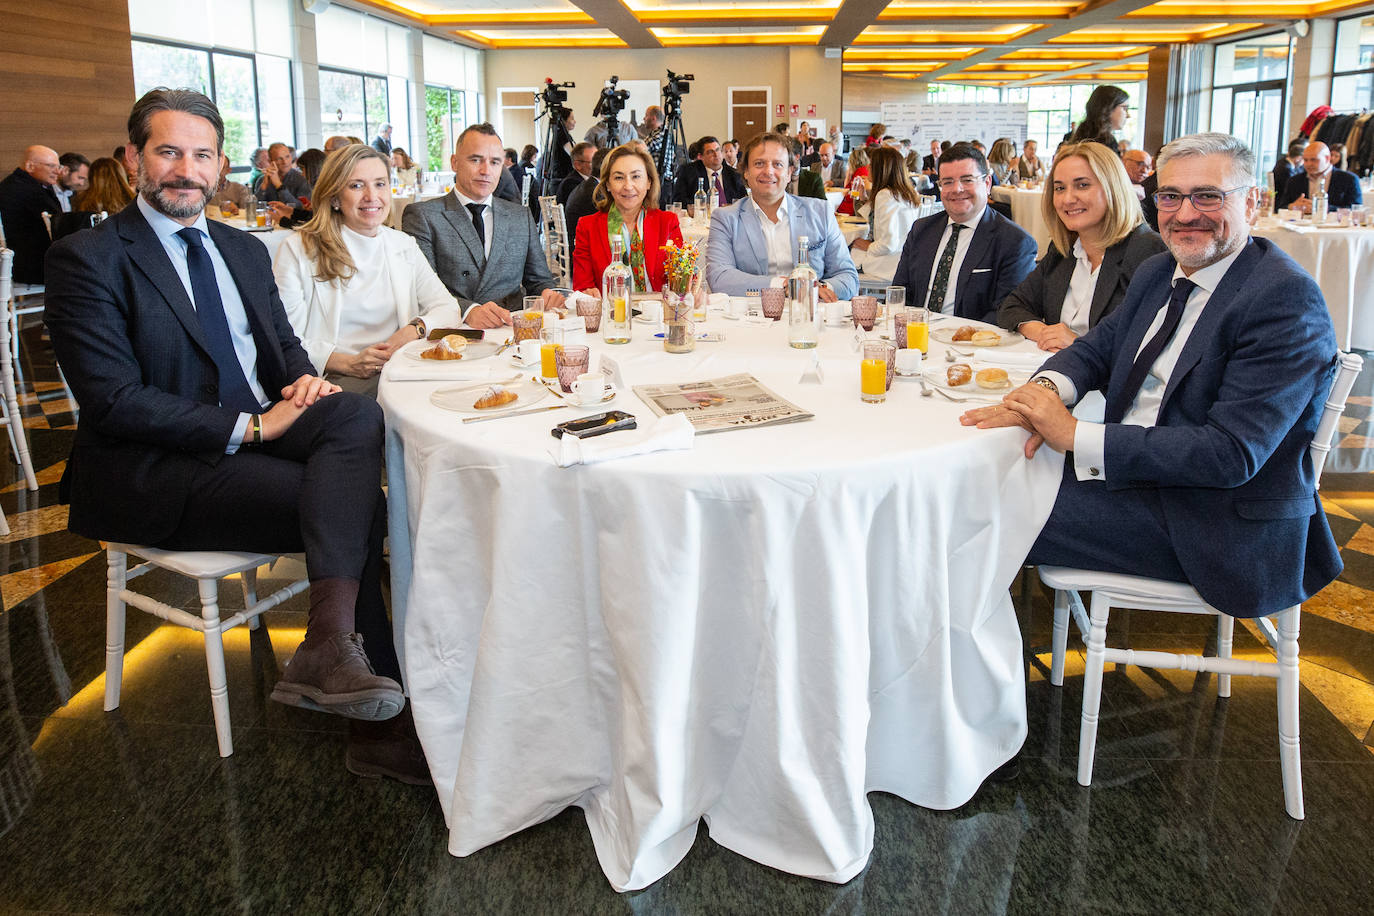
[[515, 413]]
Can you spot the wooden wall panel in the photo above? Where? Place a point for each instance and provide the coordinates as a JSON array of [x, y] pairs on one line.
[[66, 77]]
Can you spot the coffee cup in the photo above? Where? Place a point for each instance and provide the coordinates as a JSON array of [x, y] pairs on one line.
[[589, 388], [651, 310], [908, 361], [528, 351], [834, 313]]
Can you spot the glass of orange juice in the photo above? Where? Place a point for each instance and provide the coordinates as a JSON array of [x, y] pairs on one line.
[[918, 330], [551, 341], [875, 371]]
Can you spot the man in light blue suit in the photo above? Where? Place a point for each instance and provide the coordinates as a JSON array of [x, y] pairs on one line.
[[1214, 369], [755, 239]]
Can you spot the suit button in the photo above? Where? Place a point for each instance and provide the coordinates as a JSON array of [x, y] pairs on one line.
[[209, 390]]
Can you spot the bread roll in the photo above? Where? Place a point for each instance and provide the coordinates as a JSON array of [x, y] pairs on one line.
[[992, 379], [985, 339], [450, 346], [958, 374]]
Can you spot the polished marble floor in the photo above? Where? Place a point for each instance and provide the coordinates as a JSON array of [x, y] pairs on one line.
[[134, 812]]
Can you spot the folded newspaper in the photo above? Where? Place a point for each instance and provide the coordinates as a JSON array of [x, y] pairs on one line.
[[732, 402]]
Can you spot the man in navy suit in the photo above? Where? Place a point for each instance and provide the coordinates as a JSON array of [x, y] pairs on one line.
[[1342, 188], [966, 260], [1214, 369], [203, 426], [723, 184]]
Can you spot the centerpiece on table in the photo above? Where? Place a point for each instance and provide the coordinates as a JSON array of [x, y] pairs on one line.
[[681, 287]]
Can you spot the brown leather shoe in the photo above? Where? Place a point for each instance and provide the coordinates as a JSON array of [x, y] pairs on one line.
[[390, 749], [336, 677]]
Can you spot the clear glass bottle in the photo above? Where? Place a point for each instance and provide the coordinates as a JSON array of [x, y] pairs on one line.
[[617, 292], [1320, 205], [250, 211], [803, 331], [700, 205]]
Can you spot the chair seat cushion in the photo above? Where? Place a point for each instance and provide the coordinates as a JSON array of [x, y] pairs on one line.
[[198, 564]]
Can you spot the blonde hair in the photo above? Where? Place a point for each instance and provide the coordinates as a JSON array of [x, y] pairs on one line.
[[321, 237], [1002, 152], [602, 196], [1123, 207]]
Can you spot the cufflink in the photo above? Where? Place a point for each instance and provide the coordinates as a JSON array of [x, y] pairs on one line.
[[1096, 472]]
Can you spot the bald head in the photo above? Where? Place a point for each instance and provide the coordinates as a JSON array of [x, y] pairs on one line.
[[1316, 159], [1138, 163], [41, 164]]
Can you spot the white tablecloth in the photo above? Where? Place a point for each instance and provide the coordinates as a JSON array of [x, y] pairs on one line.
[[273, 240], [1025, 211], [1342, 263], [758, 631], [399, 202]]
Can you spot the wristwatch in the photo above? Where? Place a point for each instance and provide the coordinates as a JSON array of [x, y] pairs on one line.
[[1045, 383], [419, 325]]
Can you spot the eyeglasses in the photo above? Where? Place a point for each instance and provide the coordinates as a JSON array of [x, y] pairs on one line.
[[1168, 201], [966, 181]]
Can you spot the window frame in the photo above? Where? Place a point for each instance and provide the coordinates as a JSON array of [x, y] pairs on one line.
[[1335, 51], [364, 76]]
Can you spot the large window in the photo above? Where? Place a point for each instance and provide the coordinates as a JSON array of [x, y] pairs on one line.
[[1352, 82], [252, 91], [1249, 78], [1054, 111], [353, 104], [445, 118]]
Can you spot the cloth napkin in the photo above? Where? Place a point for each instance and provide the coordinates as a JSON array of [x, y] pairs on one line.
[[1020, 359], [719, 301], [576, 297], [664, 434], [404, 369]]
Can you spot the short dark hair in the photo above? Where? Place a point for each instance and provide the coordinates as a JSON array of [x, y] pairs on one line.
[[72, 161], [118, 154], [693, 150], [780, 128], [760, 139], [163, 99], [701, 144], [944, 145], [484, 129], [599, 157], [581, 147], [961, 151], [511, 155], [1295, 147]]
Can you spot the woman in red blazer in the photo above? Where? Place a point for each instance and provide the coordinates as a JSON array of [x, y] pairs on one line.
[[627, 203]]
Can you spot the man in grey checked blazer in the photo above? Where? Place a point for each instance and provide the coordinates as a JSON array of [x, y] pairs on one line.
[[486, 250]]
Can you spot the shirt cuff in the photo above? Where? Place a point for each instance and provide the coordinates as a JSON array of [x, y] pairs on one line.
[[1089, 451], [1067, 392], [239, 434]]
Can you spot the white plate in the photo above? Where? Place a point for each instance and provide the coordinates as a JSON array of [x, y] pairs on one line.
[[461, 399], [476, 349], [935, 375], [945, 334]]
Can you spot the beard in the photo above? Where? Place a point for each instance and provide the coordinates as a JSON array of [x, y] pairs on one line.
[[1194, 256], [169, 205]]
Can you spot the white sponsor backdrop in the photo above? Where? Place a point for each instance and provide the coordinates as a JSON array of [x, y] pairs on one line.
[[922, 122]]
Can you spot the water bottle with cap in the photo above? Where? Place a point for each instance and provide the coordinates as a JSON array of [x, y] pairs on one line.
[[617, 289], [803, 328], [1320, 205], [700, 205]]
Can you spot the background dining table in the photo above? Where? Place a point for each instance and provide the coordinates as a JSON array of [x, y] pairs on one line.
[[757, 631], [1341, 260], [1026, 212]]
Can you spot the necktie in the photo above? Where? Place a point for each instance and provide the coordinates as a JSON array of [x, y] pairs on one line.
[[720, 191], [234, 390], [941, 284], [1118, 405], [476, 210]]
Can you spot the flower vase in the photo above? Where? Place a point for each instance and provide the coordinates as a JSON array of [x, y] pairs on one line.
[[679, 332]]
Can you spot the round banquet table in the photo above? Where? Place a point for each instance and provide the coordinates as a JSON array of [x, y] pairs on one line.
[[1026, 213], [1341, 260], [273, 239], [757, 631]]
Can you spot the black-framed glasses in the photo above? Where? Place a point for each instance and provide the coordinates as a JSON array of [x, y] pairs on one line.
[[1168, 201]]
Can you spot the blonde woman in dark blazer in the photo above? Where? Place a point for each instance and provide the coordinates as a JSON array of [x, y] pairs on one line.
[[1098, 238]]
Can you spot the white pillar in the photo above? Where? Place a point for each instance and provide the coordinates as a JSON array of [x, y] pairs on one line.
[[305, 73]]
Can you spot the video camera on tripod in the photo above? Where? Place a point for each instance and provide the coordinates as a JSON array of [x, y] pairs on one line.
[[553, 95], [679, 84], [672, 142], [612, 100]]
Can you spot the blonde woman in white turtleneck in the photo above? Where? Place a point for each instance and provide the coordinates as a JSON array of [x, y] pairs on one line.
[[353, 288]]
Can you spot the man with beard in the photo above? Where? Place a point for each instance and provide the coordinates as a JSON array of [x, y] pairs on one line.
[[203, 426], [1214, 369]]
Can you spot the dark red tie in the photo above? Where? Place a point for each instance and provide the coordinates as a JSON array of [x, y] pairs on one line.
[[720, 192]]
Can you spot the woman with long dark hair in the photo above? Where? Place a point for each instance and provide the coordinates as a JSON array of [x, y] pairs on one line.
[[1106, 112], [895, 207]]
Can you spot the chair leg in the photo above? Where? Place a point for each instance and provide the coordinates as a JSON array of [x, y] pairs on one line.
[[1092, 688], [1290, 754], [1059, 641], [214, 663], [248, 579], [1226, 625], [15, 426], [116, 575]]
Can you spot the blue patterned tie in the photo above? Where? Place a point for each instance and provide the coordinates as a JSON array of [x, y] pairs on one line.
[[234, 390], [942, 270], [1117, 407]]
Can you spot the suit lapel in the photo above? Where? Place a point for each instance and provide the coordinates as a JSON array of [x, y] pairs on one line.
[[502, 229], [1108, 277], [147, 254], [460, 218], [751, 221], [1203, 337], [977, 247]]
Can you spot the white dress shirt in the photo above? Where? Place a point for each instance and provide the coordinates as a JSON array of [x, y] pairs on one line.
[[488, 220], [1078, 301], [1314, 184], [64, 197], [777, 240], [235, 314], [1090, 439], [961, 249]]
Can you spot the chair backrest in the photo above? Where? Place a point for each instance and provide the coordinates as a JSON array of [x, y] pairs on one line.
[[557, 250], [6, 297], [47, 223], [1347, 369]]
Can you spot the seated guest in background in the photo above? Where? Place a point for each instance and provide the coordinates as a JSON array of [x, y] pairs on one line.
[[204, 427], [511, 163], [875, 134], [965, 260], [529, 152], [723, 184], [25, 195], [895, 208], [338, 141], [582, 156], [1139, 166], [352, 140], [108, 189], [838, 140], [259, 162], [806, 183], [582, 201], [858, 168], [729, 153], [1105, 113], [382, 142], [486, 251], [1097, 240], [1029, 167], [627, 209], [1342, 188], [407, 172], [828, 167], [281, 181], [1214, 368], [1288, 166], [230, 196], [910, 158], [1003, 161], [310, 163], [754, 240], [354, 290], [928, 162], [73, 172]]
